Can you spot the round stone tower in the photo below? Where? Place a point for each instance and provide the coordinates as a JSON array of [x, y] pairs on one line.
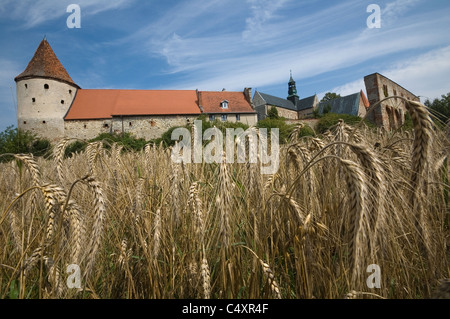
[[45, 92]]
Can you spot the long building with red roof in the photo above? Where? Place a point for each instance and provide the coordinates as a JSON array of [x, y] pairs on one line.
[[52, 105]]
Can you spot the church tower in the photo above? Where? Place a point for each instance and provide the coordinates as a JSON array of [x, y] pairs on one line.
[[45, 92], [293, 97]]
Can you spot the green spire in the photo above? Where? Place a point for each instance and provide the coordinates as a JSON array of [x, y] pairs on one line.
[[292, 88]]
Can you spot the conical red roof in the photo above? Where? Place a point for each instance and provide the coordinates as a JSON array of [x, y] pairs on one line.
[[45, 64]]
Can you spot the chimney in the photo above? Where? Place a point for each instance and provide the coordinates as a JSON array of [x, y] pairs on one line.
[[248, 94]]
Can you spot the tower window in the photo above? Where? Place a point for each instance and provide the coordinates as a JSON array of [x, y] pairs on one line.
[[43, 122], [24, 122], [26, 86], [62, 101], [70, 91], [33, 100], [46, 86]]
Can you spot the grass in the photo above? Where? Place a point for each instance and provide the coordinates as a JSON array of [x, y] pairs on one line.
[[140, 226]]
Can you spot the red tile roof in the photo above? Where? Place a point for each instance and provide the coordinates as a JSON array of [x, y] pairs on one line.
[[45, 64], [365, 100], [104, 103], [211, 101]]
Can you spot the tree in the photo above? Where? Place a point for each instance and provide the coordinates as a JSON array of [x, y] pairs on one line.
[[330, 96], [440, 107], [273, 113], [16, 141]]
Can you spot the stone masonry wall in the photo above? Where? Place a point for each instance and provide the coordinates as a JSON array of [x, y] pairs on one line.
[[389, 114], [41, 106]]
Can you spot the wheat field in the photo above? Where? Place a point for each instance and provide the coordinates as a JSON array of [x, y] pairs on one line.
[[139, 225]]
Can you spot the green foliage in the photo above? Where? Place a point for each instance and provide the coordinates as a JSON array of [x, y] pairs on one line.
[[440, 108], [330, 119], [75, 147], [166, 137], [327, 109], [408, 125], [126, 139], [330, 96], [316, 113], [272, 113], [284, 128], [16, 141], [306, 131]]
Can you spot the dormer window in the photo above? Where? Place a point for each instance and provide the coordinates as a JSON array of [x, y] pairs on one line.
[[224, 104]]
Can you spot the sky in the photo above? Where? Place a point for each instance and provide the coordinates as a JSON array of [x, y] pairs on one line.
[[231, 44]]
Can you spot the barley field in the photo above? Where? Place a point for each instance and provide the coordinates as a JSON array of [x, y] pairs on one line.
[[138, 225]]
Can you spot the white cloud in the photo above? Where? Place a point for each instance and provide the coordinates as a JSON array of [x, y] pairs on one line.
[[425, 75], [36, 12], [262, 11]]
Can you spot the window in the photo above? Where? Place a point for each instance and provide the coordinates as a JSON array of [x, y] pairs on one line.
[[105, 125], [84, 125], [46, 86], [385, 90], [33, 100], [43, 122], [24, 122], [70, 92], [224, 104], [130, 124], [26, 86], [62, 101], [224, 117], [238, 117], [212, 117]]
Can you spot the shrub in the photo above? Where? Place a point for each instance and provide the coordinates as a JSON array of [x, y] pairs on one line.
[[330, 119], [125, 139], [306, 131], [284, 128], [273, 113], [75, 147], [16, 141]]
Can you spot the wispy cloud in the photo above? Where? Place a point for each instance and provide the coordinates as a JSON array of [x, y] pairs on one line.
[[36, 12], [267, 44], [425, 75]]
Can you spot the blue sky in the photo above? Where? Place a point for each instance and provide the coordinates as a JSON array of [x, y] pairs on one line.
[[231, 44]]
